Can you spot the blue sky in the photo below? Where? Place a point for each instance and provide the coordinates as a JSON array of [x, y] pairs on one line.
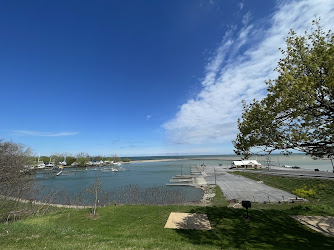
[[139, 77]]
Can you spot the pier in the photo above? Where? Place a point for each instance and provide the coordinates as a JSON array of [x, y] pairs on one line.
[[195, 179]]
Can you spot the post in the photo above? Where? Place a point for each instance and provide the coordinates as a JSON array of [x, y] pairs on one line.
[[215, 176]]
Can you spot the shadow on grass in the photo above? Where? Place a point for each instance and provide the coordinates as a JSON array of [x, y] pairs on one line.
[[266, 229]]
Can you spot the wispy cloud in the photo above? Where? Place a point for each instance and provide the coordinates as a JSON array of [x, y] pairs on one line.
[[148, 117], [238, 70], [38, 133], [241, 5]]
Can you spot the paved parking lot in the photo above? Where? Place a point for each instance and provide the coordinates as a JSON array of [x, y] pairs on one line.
[[298, 173], [242, 188]]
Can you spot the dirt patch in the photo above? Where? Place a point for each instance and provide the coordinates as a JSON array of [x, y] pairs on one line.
[[91, 216], [321, 224], [234, 203], [188, 221]]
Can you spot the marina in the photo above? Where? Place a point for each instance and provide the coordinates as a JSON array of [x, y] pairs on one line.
[[188, 175]]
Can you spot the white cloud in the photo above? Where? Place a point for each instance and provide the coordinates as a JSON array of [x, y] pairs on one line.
[[38, 133], [241, 5], [232, 76], [148, 117]]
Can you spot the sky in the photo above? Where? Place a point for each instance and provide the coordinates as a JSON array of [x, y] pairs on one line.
[[137, 78]]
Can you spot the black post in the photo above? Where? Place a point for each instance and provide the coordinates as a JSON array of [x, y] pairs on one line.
[[246, 204], [215, 176]]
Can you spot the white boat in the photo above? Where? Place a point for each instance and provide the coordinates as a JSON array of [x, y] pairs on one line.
[[50, 165], [40, 164], [109, 170], [64, 163], [117, 163], [123, 169]]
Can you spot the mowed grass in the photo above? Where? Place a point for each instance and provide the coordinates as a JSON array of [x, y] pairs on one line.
[[142, 227]]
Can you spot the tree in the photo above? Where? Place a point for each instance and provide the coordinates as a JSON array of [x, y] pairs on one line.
[[57, 158], [95, 190], [298, 111], [14, 181], [82, 161], [82, 155], [70, 160], [126, 160], [13, 159], [115, 158], [44, 158]]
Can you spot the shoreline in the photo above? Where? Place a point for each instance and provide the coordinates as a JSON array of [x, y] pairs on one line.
[[157, 160]]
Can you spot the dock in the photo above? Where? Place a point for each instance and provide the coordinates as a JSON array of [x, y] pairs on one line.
[[195, 178]]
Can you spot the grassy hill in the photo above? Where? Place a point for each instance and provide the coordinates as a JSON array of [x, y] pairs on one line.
[[142, 227]]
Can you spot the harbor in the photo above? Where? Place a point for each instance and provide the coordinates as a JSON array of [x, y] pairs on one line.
[[193, 177]]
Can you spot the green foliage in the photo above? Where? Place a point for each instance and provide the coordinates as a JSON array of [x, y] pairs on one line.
[[70, 160], [126, 160], [44, 158], [115, 158], [219, 198], [82, 161], [304, 192], [98, 158], [298, 111]]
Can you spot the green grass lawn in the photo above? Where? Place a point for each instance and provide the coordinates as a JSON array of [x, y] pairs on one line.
[[142, 226]]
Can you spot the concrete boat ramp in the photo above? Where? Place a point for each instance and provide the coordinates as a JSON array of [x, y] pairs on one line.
[[241, 188], [234, 187]]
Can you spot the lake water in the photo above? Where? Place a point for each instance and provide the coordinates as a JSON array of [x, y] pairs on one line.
[[145, 175], [150, 174]]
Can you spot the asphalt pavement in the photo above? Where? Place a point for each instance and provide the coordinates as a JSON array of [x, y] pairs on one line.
[[242, 188]]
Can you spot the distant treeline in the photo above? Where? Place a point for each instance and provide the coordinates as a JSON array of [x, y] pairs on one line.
[[80, 158]]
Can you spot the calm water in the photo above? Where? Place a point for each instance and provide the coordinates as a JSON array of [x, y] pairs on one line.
[[159, 173], [142, 174]]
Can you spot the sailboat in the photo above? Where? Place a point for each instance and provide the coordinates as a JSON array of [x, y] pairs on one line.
[[40, 164], [50, 164], [64, 162]]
